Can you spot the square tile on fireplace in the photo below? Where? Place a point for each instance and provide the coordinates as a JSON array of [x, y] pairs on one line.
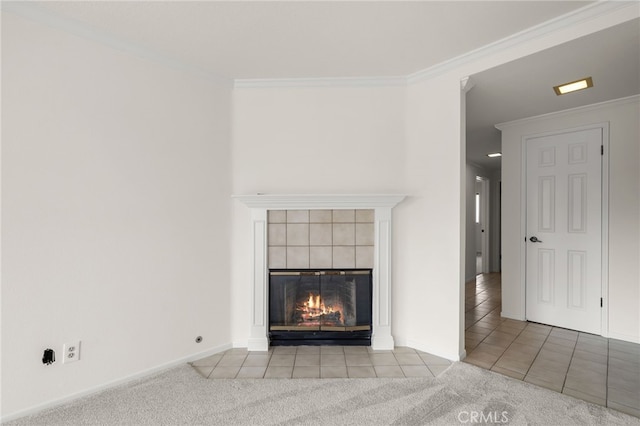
[[321, 257], [277, 257], [274, 372], [306, 360], [251, 372], [344, 257], [364, 234], [203, 371], [277, 234], [297, 234], [378, 359], [344, 216], [365, 215], [416, 371], [354, 360], [361, 372], [297, 216], [344, 234], [331, 350], [334, 362], [282, 360], [364, 257], [320, 216], [297, 257], [320, 234], [277, 216], [224, 372], [389, 371], [306, 372], [255, 360], [334, 372]]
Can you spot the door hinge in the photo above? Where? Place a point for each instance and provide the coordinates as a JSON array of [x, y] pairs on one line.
[[601, 149], [601, 302]]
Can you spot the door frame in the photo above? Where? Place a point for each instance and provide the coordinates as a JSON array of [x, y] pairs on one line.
[[604, 126]]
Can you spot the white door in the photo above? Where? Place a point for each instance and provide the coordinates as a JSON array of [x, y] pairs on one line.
[[564, 230]]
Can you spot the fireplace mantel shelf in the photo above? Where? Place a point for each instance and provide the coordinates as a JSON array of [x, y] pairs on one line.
[[382, 204], [319, 201]]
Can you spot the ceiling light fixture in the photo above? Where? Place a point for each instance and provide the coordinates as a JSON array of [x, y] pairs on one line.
[[563, 89], [495, 154]]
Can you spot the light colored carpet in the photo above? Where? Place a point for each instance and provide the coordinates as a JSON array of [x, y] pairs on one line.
[[461, 394]]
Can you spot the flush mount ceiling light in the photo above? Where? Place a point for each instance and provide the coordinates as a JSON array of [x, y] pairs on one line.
[[495, 154], [563, 89]]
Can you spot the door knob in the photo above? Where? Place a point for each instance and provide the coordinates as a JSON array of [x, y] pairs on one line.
[[535, 240]]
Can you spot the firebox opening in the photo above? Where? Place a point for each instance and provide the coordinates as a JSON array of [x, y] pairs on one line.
[[320, 307]]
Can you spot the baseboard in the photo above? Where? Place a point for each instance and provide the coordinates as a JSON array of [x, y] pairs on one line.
[[624, 337], [512, 316], [139, 375], [434, 351]]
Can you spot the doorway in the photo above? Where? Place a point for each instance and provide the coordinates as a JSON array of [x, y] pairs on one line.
[[482, 224]]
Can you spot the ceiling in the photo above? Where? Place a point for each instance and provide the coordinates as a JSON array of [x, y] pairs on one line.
[[524, 88], [324, 39], [307, 39]]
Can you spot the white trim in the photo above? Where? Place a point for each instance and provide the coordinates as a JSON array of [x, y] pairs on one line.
[[114, 383], [421, 346], [381, 338], [604, 243], [319, 201], [605, 230], [538, 31], [625, 337], [570, 111]]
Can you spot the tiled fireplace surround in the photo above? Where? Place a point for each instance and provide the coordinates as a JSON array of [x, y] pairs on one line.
[[359, 227]]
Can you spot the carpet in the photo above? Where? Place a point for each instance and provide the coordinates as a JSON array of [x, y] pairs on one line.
[[463, 394]]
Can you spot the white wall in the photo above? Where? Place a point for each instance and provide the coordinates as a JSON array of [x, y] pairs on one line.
[[430, 224], [115, 213], [624, 209]]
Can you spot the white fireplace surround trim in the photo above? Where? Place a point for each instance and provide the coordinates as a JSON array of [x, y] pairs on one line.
[[382, 204]]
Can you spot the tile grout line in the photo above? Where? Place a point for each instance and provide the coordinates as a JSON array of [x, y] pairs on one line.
[[570, 362]]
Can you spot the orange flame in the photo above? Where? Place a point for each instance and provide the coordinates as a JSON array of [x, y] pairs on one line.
[[314, 309]]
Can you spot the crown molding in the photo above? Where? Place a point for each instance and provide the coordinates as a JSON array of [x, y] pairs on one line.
[[585, 13], [570, 111], [33, 12]]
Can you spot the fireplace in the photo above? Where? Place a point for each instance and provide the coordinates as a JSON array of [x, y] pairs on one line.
[[260, 204], [320, 307]]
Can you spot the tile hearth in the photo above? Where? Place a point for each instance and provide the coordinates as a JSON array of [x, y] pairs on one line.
[[292, 362]]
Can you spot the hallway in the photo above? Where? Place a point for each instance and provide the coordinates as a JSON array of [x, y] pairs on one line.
[[599, 370]]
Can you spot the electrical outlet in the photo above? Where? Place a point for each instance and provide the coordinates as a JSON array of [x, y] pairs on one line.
[[71, 352]]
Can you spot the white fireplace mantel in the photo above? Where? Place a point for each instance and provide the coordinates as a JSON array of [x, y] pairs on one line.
[[381, 203]]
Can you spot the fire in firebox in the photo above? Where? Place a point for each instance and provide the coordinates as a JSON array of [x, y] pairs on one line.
[[313, 311]]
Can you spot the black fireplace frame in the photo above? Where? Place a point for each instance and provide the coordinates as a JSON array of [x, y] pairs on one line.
[[321, 337]]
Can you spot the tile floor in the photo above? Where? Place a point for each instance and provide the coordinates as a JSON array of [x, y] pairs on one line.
[[586, 366], [320, 362]]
